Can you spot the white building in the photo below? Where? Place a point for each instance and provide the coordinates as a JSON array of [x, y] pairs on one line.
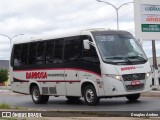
[[158, 63]]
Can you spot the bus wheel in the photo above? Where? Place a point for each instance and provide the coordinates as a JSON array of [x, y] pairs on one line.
[[133, 97], [90, 95], [37, 98], [72, 98]]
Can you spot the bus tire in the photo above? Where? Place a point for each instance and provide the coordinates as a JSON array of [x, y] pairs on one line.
[[72, 98], [90, 95], [37, 98], [133, 97]]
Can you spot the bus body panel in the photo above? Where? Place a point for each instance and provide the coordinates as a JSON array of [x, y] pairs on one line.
[[20, 87], [53, 77], [66, 82], [73, 84], [95, 79]]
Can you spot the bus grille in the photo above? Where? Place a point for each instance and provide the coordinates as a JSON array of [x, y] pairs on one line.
[[135, 87], [44, 90], [131, 77]]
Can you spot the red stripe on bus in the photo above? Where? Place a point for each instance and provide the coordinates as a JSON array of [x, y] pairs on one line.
[[39, 69], [49, 80], [59, 81], [78, 69], [83, 71]]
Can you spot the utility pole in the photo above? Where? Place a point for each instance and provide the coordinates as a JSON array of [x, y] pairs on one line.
[[155, 67]]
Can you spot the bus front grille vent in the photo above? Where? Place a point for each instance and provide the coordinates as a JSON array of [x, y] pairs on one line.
[[135, 87], [53, 90], [45, 90], [131, 77]]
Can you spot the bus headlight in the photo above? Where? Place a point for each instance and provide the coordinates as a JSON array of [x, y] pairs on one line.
[[117, 77], [148, 74]]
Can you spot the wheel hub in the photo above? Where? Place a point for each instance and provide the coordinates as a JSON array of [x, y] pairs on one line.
[[35, 95], [89, 95]]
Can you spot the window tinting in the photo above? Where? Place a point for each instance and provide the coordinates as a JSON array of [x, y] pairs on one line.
[[72, 50], [24, 53], [91, 54], [17, 55], [40, 59], [32, 53], [49, 51], [58, 52]]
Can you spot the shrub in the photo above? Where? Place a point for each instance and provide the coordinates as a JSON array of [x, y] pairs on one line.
[[3, 75]]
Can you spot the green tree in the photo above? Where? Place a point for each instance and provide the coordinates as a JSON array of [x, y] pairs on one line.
[[3, 75]]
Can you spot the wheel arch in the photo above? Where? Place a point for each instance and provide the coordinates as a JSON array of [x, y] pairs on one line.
[[86, 83], [32, 84]]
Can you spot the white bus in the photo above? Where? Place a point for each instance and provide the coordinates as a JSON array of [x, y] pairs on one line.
[[93, 64]]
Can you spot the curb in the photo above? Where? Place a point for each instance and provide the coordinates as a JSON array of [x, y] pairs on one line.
[[5, 87], [151, 94]]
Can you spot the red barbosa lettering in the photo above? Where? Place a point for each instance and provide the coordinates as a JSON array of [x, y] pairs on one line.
[[36, 75], [128, 68]]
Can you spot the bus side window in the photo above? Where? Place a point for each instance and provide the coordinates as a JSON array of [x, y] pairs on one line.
[[58, 52], [72, 51], [24, 53], [49, 51], [17, 55], [40, 53], [91, 54], [32, 53]]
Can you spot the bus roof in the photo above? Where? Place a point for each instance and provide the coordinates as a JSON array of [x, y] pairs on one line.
[[81, 32]]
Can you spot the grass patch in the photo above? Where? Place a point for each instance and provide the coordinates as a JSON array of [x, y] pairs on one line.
[[4, 106]]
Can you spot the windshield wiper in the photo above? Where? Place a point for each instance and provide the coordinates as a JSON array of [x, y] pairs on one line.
[[116, 57], [113, 57], [138, 57]]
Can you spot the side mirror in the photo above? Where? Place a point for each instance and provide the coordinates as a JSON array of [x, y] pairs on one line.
[[86, 44]]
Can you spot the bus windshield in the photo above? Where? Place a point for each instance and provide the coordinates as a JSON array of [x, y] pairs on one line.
[[119, 48]]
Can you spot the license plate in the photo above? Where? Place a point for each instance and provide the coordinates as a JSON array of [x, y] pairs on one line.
[[135, 82]]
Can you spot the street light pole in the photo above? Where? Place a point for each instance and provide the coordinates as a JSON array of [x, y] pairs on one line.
[[116, 8], [10, 38]]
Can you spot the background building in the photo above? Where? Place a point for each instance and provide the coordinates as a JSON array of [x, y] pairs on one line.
[[4, 64], [158, 61]]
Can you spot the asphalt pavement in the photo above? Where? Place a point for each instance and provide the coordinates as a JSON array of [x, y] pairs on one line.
[[61, 103], [148, 102]]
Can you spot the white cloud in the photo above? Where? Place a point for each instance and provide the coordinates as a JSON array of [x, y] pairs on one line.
[[147, 46], [47, 16]]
